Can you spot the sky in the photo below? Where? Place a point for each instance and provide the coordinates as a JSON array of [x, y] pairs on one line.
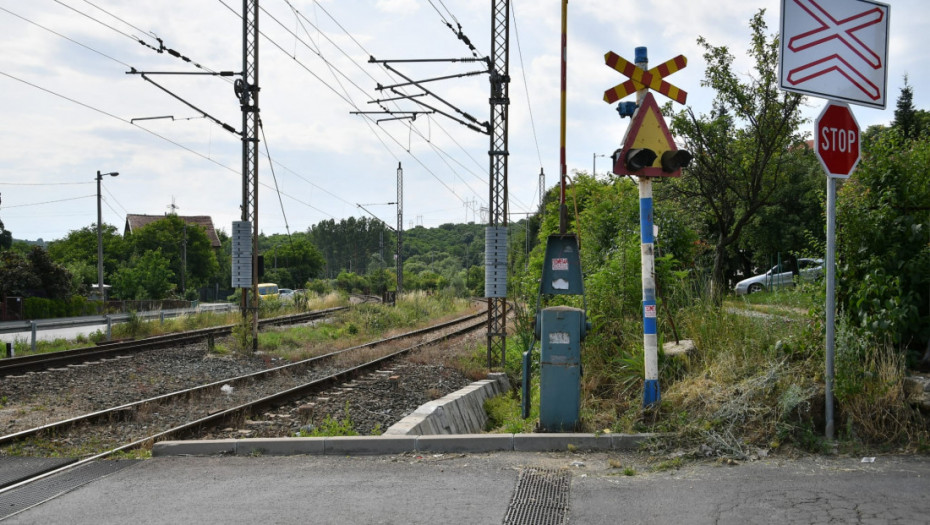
[[72, 110]]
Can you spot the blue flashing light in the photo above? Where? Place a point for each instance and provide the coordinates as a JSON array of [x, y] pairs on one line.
[[641, 55], [626, 109]]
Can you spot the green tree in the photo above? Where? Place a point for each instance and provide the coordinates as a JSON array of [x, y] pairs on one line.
[[16, 274], [80, 246], [794, 226], [54, 279], [185, 246], [883, 240], [741, 149], [148, 276], [905, 116], [6, 238], [302, 260]]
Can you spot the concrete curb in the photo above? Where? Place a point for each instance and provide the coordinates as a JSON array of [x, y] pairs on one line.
[[461, 412], [388, 445], [451, 424]]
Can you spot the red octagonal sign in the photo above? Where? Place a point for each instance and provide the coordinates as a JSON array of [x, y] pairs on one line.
[[837, 139]]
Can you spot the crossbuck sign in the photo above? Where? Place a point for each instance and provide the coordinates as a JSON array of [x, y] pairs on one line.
[[835, 49]]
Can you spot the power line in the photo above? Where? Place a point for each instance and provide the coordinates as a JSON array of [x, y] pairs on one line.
[[104, 24], [274, 177], [114, 198], [42, 183], [434, 121], [65, 37], [346, 99], [526, 85], [7, 206], [87, 106], [161, 45]]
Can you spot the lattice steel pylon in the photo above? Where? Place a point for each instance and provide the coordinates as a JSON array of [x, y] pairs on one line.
[[498, 153], [247, 91]]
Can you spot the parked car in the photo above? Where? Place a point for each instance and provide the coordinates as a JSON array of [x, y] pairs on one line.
[[285, 294], [809, 270]]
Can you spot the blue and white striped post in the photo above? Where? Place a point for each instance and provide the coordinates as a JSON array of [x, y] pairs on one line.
[[651, 392]]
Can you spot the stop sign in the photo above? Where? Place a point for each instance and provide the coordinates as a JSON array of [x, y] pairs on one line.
[[836, 139]]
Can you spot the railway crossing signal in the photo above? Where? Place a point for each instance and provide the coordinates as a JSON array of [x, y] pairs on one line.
[[641, 79], [648, 149]]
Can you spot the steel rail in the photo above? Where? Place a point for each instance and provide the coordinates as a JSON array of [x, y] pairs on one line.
[[19, 365], [129, 407], [220, 417]]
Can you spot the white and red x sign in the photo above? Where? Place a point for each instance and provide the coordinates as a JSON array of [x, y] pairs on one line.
[[835, 49]]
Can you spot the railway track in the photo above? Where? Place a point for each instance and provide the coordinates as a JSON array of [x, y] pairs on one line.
[[37, 362], [193, 415]]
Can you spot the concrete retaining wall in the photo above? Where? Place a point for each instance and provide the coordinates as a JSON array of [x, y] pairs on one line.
[[461, 412]]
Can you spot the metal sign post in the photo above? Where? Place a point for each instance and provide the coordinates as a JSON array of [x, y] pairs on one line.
[[838, 50], [837, 145]]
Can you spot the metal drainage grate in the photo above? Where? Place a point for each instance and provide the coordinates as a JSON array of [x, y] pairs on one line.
[[22, 498], [14, 469], [541, 497]]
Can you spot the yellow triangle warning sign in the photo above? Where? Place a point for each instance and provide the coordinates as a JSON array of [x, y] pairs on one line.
[[647, 131]]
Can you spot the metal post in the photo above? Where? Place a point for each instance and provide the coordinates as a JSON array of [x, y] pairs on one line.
[[9, 350], [109, 328], [400, 232], [831, 303], [651, 391], [103, 297], [247, 90], [498, 154], [32, 325], [102, 290], [563, 170]]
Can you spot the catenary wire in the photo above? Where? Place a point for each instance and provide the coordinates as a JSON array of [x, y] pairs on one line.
[[350, 103]]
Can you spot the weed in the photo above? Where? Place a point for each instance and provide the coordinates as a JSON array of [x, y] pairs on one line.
[[332, 427], [136, 453], [669, 464], [433, 393], [629, 471]]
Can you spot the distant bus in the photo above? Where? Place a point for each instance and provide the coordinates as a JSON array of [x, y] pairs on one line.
[[267, 290]]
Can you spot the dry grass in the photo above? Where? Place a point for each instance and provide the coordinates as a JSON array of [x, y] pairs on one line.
[[875, 408]]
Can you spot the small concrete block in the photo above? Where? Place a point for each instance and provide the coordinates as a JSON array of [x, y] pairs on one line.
[[279, 446], [205, 447], [559, 442], [369, 445], [683, 347], [470, 444]]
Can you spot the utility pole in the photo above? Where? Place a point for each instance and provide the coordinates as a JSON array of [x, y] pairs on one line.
[[496, 233], [184, 261], [247, 90], [400, 230]]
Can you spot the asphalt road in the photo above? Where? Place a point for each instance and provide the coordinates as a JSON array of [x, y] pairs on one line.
[[452, 489]]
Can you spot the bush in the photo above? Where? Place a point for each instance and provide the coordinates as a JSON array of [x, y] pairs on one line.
[[42, 308]]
